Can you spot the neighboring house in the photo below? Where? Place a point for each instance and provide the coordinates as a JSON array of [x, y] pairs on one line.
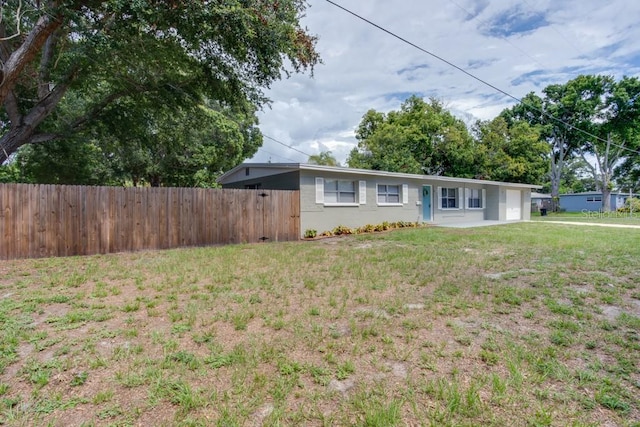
[[589, 201], [540, 201], [332, 196]]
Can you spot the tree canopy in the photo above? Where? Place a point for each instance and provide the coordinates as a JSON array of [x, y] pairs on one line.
[[592, 117], [74, 71], [324, 158], [423, 137]]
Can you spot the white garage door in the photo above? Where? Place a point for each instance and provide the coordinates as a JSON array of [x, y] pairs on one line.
[[514, 205]]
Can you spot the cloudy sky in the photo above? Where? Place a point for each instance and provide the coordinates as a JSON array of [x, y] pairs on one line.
[[518, 46]]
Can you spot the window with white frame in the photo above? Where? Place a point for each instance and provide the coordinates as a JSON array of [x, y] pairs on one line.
[[340, 192], [594, 198], [475, 198], [449, 198], [388, 194]]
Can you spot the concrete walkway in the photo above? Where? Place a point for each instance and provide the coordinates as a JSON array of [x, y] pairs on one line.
[[596, 224], [473, 224]]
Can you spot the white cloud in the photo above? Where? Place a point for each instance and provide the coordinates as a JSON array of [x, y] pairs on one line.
[[539, 43]]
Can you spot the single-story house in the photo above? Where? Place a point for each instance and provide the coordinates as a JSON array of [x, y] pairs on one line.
[[332, 196], [589, 201]]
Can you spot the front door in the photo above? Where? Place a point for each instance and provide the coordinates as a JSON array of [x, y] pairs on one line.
[[426, 203]]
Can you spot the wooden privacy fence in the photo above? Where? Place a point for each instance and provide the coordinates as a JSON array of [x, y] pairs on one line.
[[54, 220]]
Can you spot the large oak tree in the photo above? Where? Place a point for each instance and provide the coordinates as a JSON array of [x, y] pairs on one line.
[[64, 62]]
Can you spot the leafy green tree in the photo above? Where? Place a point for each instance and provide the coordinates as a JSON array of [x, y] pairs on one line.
[[515, 153], [565, 113], [9, 173], [421, 138], [157, 147], [65, 61], [324, 158]]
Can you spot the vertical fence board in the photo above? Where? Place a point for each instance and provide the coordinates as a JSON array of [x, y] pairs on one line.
[[53, 220]]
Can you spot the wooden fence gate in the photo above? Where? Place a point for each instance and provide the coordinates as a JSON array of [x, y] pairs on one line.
[[54, 220]]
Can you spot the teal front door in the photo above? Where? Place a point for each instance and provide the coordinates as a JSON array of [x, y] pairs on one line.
[[426, 203]]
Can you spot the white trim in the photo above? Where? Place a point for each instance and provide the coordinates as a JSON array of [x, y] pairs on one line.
[[286, 167], [439, 197], [405, 194], [460, 197], [389, 204], [342, 204], [319, 190], [362, 192], [483, 198]]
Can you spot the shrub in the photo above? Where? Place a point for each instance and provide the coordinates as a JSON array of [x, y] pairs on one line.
[[341, 229], [631, 205], [310, 234]]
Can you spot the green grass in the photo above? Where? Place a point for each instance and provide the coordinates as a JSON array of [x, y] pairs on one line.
[[513, 325]]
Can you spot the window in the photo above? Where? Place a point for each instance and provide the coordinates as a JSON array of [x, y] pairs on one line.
[[594, 198], [475, 198], [253, 186], [388, 193], [338, 191], [449, 198]]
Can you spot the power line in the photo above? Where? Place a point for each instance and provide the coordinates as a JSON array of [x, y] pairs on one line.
[[288, 146], [462, 70], [262, 149]]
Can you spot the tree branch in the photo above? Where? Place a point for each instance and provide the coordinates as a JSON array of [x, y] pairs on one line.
[[97, 108], [22, 133], [45, 64], [13, 111], [24, 54]]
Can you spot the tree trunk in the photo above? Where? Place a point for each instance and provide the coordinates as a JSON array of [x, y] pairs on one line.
[[24, 132], [32, 44], [606, 199]]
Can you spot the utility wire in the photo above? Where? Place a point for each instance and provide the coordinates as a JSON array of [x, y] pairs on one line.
[[288, 146], [462, 70]]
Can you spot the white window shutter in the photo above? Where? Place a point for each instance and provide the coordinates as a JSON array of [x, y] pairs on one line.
[[405, 194], [362, 189], [484, 198], [439, 197], [460, 197], [319, 190], [467, 193]]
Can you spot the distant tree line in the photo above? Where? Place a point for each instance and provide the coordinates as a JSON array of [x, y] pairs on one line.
[[578, 136]]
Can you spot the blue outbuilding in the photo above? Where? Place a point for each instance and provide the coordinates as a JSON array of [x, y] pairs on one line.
[[589, 201]]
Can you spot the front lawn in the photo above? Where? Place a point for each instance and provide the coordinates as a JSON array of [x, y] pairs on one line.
[[523, 324]]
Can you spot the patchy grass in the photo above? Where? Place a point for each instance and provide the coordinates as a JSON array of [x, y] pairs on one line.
[[523, 324]]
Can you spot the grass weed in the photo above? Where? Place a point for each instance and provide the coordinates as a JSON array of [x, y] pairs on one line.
[[523, 324]]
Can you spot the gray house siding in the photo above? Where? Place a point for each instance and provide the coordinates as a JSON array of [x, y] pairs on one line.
[[462, 213], [494, 207], [325, 217], [354, 201]]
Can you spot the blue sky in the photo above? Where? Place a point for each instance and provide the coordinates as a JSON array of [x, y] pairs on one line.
[[518, 46]]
